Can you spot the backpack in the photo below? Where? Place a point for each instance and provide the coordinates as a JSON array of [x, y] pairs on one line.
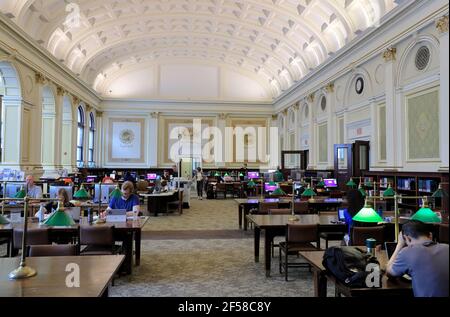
[[348, 265]]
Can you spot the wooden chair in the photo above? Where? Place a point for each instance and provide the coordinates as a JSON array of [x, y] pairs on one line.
[[53, 250], [284, 211], [301, 207], [35, 236], [264, 207], [299, 237], [361, 234], [221, 188], [6, 241], [330, 236], [98, 240]]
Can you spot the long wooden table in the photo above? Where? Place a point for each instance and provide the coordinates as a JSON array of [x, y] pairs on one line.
[[275, 225], [96, 274], [123, 231], [155, 202], [389, 286]]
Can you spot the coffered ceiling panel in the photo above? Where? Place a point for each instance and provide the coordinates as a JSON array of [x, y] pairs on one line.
[[276, 41]]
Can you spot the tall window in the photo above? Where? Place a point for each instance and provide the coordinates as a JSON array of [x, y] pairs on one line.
[[80, 137], [91, 140], [1, 127]]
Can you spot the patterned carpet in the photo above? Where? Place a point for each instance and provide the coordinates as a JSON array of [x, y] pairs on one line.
[[202, 253]]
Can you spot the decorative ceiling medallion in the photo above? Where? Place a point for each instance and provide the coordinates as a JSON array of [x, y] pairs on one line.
[[127, 136]]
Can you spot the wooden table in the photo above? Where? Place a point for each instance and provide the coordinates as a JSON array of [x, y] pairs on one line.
[[275, 225], [123, 231], [319, 204], [155, 201], [96, 274], [389, 286]]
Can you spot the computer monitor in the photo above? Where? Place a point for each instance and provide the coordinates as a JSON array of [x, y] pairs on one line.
[[112, 176], [269, 188], [341, 214], [54, 191], [253, 175], [330, 182], [91, 179], [106, 190], [12, 189], [152, 176]]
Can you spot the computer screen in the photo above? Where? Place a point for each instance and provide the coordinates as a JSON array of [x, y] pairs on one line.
[[112, 176], [297, 185], [91, 178], [152, 176], [253, 175], [270, 188], [54, 191], [106, 190], [12, 189], [341, 214], [330, 182]]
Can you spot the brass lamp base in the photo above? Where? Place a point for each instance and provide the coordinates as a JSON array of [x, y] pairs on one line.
[[22, 272]]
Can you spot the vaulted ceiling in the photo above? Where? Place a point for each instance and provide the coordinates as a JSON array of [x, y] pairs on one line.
[[275, 42]]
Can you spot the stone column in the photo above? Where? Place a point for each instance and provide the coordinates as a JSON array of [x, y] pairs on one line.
[[99, 137], [442, 26], [312, 133], [153, 136], [331, 124]]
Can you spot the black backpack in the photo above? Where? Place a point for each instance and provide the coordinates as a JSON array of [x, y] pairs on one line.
[[348, 265]]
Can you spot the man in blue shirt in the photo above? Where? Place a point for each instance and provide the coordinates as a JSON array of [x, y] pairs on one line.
[[128, 201], [424, 260]]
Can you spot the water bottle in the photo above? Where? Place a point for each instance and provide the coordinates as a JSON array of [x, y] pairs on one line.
[[347, 239], [41, 214], [371, 245]]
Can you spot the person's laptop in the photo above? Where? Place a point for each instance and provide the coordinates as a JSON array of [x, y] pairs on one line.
[[74, 212], [116, 215], [390, 249]]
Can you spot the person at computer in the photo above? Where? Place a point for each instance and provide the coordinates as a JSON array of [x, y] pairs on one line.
[[427, 262], [33, 191], [166, 176], [199, 177], [107, 180], [128, 201], [63, 198]]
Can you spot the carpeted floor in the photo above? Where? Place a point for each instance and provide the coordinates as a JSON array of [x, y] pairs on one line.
[[203, 253]]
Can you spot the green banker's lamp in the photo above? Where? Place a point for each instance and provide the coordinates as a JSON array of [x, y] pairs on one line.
[[21, 193], [251, 184], [367, 214], [351, 183], [217, 174], [440, 193], [425, 214], [362, 190], [116, 193], [389, 192], [81, 194], [309, 192], [59, 218], [278, 192], [321, 184]]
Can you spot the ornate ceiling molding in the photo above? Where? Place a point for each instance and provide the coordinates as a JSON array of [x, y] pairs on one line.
[[390, 54], [442, 24]]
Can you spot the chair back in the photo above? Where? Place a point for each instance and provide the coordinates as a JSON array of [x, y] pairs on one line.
[[361, 234], [280, 211], [264, 207], [97, 235], [301, 233], [53, 250], [221, 187], [35, 236], [443, 233], [301, 207], [142, 185]]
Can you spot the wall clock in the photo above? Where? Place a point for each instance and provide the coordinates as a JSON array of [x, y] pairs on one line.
[[359, 85]]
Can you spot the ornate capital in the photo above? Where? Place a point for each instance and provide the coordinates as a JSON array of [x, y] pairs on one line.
[[274, 117], [154, 115], [40, 79], [60, 91], [223, 116], [296, 106], [285, 111], [329, 88], [88, 108], [442, 24], [390, 54], [99, 114], [75, 100], [311, 98]]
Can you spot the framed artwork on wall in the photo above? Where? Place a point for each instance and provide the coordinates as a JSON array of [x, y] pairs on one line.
[[126, 140]]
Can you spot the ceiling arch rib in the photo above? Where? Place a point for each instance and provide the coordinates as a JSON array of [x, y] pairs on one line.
[[282, 40]]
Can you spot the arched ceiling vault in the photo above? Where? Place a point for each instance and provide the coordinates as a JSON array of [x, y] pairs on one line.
[[279, 41]]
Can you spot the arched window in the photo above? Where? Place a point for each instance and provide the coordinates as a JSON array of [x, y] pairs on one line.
[[91, 140], [80, 137]]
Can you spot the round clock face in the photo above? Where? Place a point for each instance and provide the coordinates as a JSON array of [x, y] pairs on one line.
[[359, 86]]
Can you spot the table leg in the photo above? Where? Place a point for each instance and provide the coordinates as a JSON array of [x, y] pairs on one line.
[[137, 246], [246, 212], [257, 239], [320, 283], [128, 246], [268, 237], [240, 216]]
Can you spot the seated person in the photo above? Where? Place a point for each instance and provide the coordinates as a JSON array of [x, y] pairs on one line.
[[424, 260], [33, 191], [63, 198], [107, 180], [129, 178], [164, 186], [166, 176], [128, 201]]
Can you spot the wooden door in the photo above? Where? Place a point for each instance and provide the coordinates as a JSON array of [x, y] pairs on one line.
[[343, 163]]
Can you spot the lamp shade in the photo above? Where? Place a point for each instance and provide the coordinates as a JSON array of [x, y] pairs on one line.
[[81, 193], [241, 174], [217, 174], [272, 183], [321, 184], [278, 192], [367, 214], [226, 175], [425, 214], [309, 192], [362, 191], [116, 193], [368, 183], [20, 194], [251, 184], [3, 220], [390, 192], [60, 218], [351, 183], [440, 193]]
